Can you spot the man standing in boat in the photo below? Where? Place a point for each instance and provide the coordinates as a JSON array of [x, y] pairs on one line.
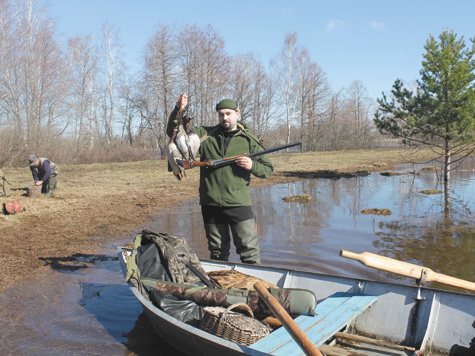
[[225, 198]]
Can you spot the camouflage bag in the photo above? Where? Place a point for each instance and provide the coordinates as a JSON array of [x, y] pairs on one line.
[[180, 261]]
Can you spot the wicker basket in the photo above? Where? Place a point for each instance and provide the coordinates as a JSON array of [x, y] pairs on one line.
[[33, 191], [233, 326]]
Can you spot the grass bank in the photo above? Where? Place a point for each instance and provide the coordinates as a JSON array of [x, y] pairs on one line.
[[110, 200]]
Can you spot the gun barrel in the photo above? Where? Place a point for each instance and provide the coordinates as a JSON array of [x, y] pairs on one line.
[[227, 161]]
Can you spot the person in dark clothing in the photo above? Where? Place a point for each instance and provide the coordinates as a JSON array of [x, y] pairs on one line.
[[44, 173], [225, 198]]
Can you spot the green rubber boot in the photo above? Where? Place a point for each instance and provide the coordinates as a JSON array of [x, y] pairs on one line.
[[219, 241], [51, 186], [246, 241]]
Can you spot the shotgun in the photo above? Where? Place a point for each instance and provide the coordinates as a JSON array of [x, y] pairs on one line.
[[217, 163]]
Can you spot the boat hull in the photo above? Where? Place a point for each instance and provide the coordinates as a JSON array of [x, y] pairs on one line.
[[423, 318]]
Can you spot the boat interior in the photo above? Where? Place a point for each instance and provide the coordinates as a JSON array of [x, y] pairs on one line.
[[362, 317]]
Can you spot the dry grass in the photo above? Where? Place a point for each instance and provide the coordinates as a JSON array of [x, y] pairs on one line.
[[110, 200]]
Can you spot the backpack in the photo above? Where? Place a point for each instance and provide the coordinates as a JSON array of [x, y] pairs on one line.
[[180, 262], [54, 167]]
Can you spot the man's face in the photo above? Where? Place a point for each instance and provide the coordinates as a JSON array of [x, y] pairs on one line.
[[228, 119]]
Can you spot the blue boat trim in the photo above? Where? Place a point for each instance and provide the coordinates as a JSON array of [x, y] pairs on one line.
[[332, 314]]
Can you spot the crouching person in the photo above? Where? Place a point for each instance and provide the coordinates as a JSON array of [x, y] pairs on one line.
[[44, 173]]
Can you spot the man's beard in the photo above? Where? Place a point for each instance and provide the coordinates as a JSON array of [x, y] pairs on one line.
[[227, 127]]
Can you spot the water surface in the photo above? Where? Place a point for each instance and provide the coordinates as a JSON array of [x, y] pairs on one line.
[[309, 236]]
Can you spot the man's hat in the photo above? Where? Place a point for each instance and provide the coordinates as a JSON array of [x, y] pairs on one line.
[[227, 104], [32, 159]]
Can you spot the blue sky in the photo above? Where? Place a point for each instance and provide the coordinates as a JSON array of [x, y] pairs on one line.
[[375, 42]]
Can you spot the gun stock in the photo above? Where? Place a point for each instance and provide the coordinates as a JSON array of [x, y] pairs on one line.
[[406, 269], [189, 165]]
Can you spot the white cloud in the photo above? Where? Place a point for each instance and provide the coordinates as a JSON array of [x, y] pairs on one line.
[[335, 25], [376, 25]]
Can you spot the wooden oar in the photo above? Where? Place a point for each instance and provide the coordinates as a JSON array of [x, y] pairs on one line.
[[367, 340], [290, 325], [406, 269]]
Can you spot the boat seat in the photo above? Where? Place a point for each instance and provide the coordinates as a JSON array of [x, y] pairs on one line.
[[332, 314]]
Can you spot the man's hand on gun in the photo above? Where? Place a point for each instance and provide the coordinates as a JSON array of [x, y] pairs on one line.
[[244, 162]]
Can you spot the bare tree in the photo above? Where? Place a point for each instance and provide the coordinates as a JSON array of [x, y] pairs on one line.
[[33, 76], [314, 94], [334, 132], [160, 75], [263, 110], [84, 67], [289, 79], [128, 108], [205, 67], [9, 40], [359, 108], [111, 50], [251, 87], [242, 82]]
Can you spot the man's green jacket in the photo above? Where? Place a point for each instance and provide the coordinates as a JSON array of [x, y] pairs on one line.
[[227, 186]]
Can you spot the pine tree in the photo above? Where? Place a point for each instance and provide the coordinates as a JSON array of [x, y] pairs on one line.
[[440, 110]]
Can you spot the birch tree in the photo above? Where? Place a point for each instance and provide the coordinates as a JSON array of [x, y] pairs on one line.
[[84, 67], [34, 74], [289, 78], [111, 50]]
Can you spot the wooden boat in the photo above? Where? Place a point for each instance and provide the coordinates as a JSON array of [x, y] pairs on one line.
[[353, 317]]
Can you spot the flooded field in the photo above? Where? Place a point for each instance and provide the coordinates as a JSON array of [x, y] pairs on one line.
[[310, 235], [87, 309]]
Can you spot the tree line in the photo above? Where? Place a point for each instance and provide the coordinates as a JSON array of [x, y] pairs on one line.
[[75, 101]]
